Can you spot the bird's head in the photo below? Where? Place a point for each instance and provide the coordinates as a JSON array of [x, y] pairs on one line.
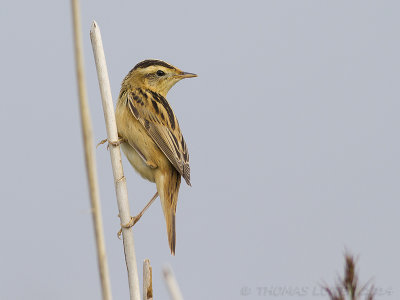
[[155, 75]]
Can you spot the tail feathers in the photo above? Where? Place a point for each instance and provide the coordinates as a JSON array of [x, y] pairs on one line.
[[168, 189], [170, 220]]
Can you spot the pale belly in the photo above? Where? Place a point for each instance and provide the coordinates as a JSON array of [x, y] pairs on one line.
[[137, 162]]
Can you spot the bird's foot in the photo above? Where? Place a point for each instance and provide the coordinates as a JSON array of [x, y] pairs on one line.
[[130, 224], [117, 143], [135, 219], [101, 143], [113, 143]]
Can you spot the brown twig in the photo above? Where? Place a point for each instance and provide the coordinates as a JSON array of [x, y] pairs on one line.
[[348, 285]]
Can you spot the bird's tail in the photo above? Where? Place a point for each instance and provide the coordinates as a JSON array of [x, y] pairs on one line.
[[168, 189]]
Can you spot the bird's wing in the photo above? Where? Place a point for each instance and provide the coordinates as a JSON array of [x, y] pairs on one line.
[[153, 111]]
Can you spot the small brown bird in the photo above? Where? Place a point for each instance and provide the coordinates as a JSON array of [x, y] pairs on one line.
[[150, 135]]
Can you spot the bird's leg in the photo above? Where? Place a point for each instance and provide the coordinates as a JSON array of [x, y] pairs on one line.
[[114, 143], [136, 218]]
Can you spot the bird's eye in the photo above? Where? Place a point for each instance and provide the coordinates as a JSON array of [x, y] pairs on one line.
[[160, 73]]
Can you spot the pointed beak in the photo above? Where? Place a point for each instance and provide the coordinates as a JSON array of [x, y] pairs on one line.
[[186, 75]]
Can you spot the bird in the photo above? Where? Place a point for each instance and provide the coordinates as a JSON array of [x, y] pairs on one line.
[[150, 135]]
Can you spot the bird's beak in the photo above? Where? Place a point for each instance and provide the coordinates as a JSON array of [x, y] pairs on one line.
[[186, 75]]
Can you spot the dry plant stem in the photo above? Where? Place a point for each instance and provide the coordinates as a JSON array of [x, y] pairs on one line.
[[90, 156], [172, 284], [115, 154], [348, 286], [147, 280]]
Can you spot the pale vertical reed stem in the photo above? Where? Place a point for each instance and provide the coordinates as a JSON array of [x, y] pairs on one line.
[[147, 280], [90, 158], [115, 154], [172, 284]]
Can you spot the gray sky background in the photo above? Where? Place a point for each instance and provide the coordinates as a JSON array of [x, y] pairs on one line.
[[292, 128]]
